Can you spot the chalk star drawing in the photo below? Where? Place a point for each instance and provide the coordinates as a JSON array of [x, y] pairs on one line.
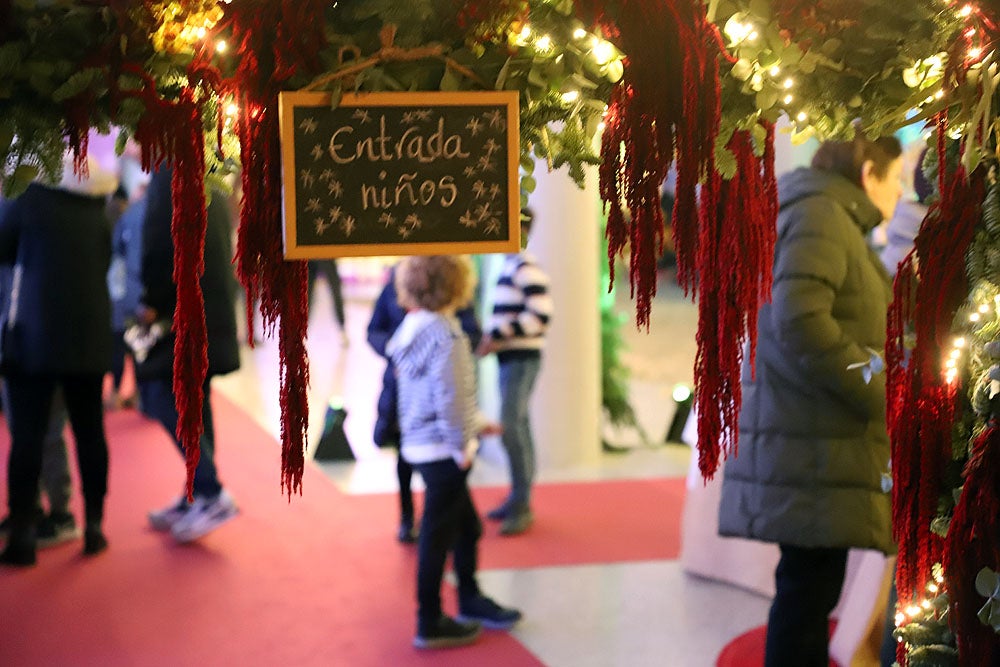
[[404, 232], [479, 189], [494, 191], [307, 178], [474, 126], [348, 224], [469, 171], [326, 175], [308, 125], [467, 220], [321, 225], [312, 206], [485, 163], [423, 114], [335, 188], [334, 214], [491, 147], [409, 117], [317, 152], [492, 227], [413, 221], [495, 119], [362, 115], [483, 212], [388, 219]]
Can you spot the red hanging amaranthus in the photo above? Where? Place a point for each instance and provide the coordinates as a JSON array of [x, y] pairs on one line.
[[973, 542], [668, 105], [667, 102], [737, 230], [276, 40], [171, 133], [921, 403]]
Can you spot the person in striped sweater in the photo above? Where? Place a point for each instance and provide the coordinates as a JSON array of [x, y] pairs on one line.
[[522, 309], [439, 423]]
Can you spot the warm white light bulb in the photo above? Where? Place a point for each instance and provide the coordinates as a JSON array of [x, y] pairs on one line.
[[221, 46], [579, 33], [603, 52]]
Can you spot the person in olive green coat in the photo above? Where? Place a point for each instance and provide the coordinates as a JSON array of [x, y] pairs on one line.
[[812, 432]]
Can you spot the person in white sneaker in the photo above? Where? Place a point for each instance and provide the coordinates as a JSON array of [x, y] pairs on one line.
[[212, 506]]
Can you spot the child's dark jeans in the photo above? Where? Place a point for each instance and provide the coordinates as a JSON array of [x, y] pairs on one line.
[[450, 522]]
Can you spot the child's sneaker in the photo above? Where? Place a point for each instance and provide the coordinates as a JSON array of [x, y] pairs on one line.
[[164, 519], [446, 632], [204, 516], [488, 613], [56, 528]]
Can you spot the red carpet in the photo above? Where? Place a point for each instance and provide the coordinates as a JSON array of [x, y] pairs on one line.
[[315, 581], [747, 650]]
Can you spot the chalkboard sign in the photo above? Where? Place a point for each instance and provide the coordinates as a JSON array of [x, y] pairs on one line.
[[400, 174]]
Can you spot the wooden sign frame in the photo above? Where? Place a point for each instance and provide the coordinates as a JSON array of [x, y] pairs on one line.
[[507, 242]]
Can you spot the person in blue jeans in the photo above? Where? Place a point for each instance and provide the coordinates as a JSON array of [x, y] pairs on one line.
[[440, 423], [212, 505], [522, 309]]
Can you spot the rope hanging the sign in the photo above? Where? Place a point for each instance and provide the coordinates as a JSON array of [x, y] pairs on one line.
[[391, 53]]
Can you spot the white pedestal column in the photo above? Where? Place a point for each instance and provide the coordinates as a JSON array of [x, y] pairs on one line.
[[566, 404]]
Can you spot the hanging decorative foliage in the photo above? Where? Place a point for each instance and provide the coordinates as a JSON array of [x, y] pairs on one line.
[[737, 226], [275, 42]]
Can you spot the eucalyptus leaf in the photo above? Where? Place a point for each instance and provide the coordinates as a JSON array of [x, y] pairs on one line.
[[19, 180], [742, 69], [766, 98]]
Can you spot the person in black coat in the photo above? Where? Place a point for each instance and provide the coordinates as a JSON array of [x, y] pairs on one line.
[[56, 332], [212, 505], [386, 318]]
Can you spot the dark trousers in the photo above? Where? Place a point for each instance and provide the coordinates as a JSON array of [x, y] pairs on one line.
[[328, 267], [56, 482], [450, 523], [807, 587], [31, 399], [157, 402], [404, 473], [119, 352]]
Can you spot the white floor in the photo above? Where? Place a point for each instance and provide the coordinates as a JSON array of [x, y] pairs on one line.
[[632, 614]]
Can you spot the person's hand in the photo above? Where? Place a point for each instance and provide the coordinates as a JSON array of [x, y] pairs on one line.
[[486, 346], [492, 428], [145, 315]]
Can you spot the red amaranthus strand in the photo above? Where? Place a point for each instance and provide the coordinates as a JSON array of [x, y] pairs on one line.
[[737, 229], [276, 41], [973, 542], [921, 403], [187, 228], [667, 102], [171, 133]]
